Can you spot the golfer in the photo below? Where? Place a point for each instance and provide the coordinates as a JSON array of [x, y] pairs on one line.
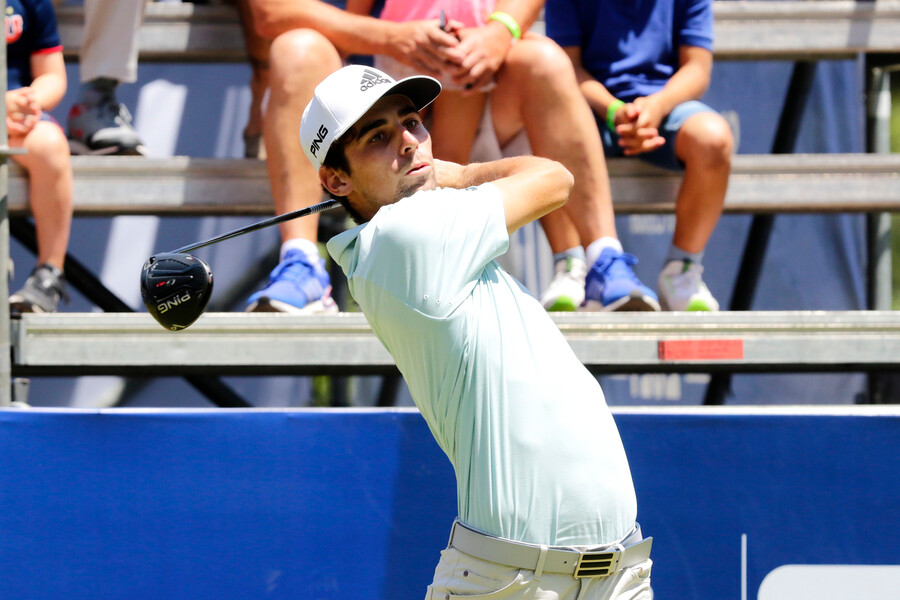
[[546, 502]]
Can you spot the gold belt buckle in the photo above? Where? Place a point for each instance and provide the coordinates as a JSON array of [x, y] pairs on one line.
[[596, 564]]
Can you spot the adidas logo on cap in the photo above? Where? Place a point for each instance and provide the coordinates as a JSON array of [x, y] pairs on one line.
[[370, 79]]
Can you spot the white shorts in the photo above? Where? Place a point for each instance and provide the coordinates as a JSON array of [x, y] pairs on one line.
[[459, 576]]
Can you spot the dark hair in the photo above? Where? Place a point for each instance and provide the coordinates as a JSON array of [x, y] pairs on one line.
[[336, 159]]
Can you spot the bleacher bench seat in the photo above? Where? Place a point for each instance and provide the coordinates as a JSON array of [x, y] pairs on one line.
[[120, 185], [245, 343], [747, 29]]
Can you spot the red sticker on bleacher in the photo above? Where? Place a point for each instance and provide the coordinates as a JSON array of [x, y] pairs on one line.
[[701, 349]]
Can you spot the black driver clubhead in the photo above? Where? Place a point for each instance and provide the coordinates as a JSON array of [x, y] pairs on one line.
[[176, 288]]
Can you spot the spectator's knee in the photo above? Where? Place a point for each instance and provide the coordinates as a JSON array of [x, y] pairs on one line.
[[708, 140], [301, 50], [542, 60], [46, 144]]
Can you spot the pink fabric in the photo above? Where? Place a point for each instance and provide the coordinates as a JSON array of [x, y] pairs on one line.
[[472, 13]]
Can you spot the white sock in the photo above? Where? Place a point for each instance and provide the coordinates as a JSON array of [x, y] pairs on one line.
[[599, 245], [676, 253], [574, 252], [309, 248]]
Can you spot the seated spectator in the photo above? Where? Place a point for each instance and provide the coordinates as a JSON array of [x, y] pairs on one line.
[[36, 78], [98, 123], [643, 68], [519, 86], [455, 115], [309, 40]]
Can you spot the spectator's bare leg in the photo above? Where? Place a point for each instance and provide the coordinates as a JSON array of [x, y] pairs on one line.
[[454, 122], [50, 189], [560, 231], [258, 55], [259, 84], [299, 60], [536, 88], [704, 144]]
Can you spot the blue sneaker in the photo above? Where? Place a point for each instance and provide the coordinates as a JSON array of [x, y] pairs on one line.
[[295, 286], [612, 285]]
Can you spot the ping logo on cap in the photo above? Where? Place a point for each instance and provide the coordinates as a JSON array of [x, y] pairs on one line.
[[317, 141], [371, 79]]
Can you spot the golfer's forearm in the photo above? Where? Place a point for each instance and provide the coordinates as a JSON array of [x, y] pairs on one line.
[[531, 193], [463, 176], [530, 186]]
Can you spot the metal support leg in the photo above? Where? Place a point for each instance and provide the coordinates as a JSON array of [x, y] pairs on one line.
[[20, 387], [93, 289], [761, 228], [878, 225], [5, 345]]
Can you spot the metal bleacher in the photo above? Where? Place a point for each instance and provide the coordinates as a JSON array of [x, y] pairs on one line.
[[730, 341], [122, 185], [343, 344]]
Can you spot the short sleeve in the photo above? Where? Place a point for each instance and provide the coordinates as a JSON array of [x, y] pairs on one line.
[[45, 33], [562, 23], [694, 24], [434, 244]]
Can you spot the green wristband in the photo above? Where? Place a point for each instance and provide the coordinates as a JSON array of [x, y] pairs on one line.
[[611, 111], [508, 21]]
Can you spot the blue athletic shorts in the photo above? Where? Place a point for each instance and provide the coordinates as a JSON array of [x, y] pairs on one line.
[[664, 156]]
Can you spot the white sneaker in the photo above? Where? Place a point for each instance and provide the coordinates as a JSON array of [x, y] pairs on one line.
[[566, 292], [102, 128], [681, 288]]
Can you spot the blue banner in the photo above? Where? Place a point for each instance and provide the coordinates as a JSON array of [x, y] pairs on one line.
[[337, 504]]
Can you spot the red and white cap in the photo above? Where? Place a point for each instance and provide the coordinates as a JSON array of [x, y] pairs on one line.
[[346, 95]]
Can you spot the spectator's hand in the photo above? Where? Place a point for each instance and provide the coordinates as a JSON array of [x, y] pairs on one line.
[[650, 111], [425, 46], [22, 111], [483, 50], [637, 124]]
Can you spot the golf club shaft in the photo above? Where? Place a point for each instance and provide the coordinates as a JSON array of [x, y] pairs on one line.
[[309, 210]]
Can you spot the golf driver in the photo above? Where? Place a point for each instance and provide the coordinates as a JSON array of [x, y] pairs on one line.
[[176, 286]]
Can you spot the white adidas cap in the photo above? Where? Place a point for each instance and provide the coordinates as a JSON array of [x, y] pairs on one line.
[[346, 95]]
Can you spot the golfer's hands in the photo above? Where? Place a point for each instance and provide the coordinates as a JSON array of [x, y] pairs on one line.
[[637, 124], [22, 111], [449, 174], [424, 45], [483, 50]]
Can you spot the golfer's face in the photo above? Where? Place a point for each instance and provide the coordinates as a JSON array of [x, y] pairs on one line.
[[390, 155]]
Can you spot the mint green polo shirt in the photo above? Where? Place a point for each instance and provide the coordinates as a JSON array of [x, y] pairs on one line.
[[537, 455]]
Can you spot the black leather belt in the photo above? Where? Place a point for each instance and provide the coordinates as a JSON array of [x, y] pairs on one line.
[[590, 563]]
